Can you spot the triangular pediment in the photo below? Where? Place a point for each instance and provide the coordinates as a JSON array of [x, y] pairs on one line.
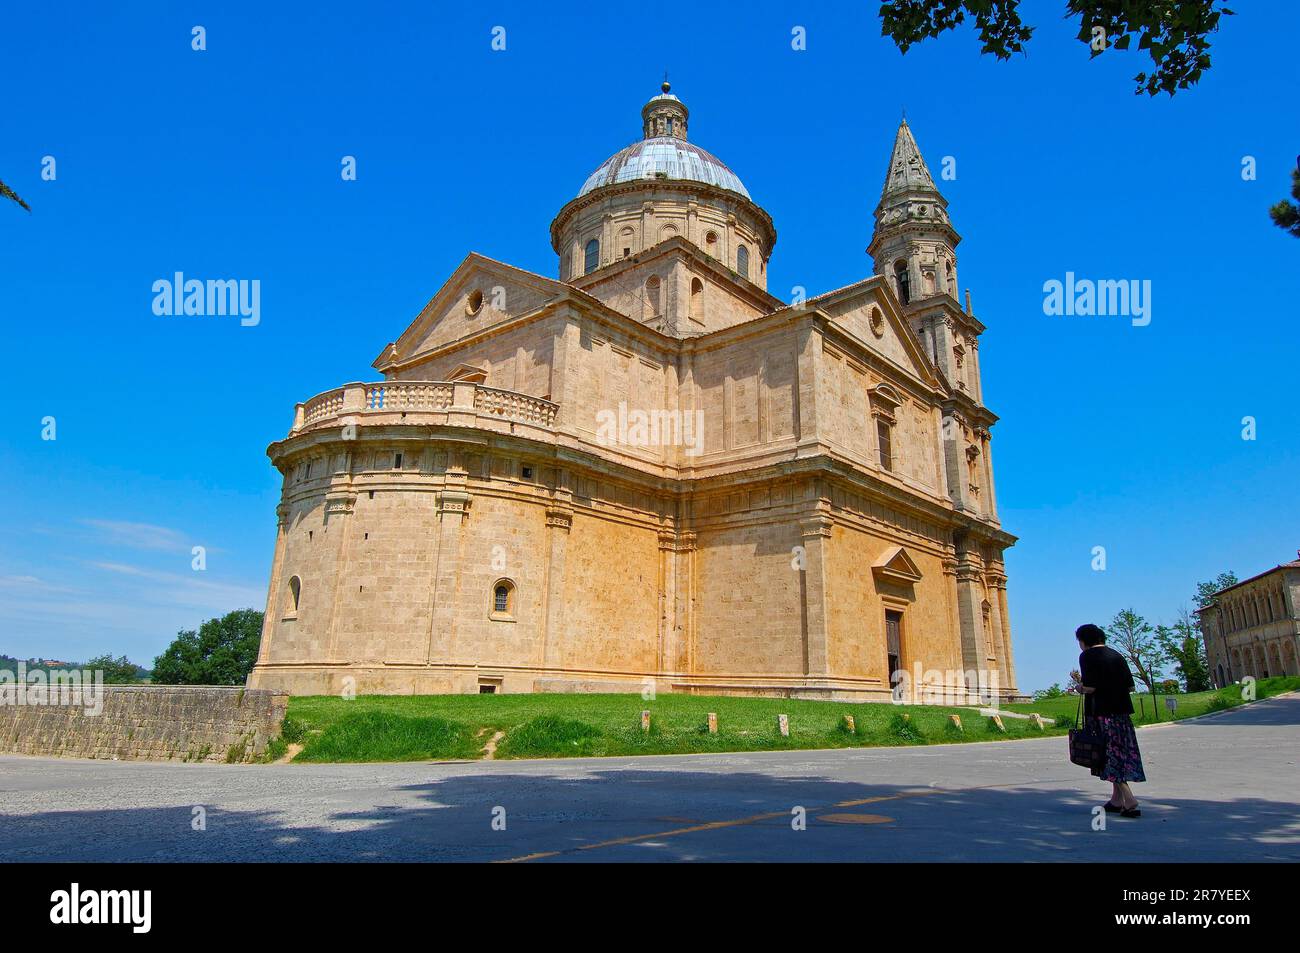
[[868, 313], [895, 565], [479, 294], [468, 374]]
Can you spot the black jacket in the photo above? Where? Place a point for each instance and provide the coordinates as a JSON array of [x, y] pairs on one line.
[[1104, 669]]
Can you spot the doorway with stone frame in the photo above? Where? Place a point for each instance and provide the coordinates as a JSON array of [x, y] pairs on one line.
[[894, 643]]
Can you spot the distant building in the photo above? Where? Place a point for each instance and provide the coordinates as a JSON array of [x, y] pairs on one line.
[[1253, 627]]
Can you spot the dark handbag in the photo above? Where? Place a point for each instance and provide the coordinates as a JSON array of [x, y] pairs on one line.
[[1087, 744]]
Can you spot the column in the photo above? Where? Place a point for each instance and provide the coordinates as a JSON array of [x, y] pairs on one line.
[[970, 585], [816, 531], [273, 596], [339, 504], [453, 507], [559, 523]]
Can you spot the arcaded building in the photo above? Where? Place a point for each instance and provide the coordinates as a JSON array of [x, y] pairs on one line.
[[649, 469], [1253, 627]]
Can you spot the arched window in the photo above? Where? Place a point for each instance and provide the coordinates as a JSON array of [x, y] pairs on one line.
[[503, 601], [295, 593], [904, 282], [697, 300], [653, 295], [742, 261], [592, 260]]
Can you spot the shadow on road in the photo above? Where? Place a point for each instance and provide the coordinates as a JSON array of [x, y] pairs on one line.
[[658, 815]]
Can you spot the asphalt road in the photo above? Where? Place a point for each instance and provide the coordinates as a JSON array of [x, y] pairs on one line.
[[1223, 788]]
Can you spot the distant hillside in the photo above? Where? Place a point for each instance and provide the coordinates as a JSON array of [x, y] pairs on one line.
[[47, 665]]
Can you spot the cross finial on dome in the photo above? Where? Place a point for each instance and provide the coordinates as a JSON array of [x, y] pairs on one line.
[[666, 85]]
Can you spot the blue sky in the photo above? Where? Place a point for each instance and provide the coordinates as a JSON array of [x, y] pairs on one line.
[[225, 163]]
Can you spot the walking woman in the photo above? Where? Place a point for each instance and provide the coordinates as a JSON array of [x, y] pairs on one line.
[[1106, 682]]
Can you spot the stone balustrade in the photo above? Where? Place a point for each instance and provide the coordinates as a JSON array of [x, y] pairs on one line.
[[423, 397]]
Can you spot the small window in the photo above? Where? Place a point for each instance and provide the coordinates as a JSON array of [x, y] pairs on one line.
[[885, 439], [527, 472], [485, 688], [295, 593], [503, 601], [742, 261], [653, 295], [592, 260], [397, 461], [696, 311], [904, 282]]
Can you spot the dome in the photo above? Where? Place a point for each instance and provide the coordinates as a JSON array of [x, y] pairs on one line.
[[667, 157]]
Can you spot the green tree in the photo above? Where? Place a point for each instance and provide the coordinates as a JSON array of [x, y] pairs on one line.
[[221, 652], [1175, 33], [1183, 645], [1134, 638], [11, 194], [117, 671], [1286, 215], [1206, 591]]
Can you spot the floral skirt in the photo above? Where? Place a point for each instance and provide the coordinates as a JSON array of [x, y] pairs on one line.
[[1123, 760]]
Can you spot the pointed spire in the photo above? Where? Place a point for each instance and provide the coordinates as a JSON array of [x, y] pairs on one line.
[[907, 170], [909, 194]]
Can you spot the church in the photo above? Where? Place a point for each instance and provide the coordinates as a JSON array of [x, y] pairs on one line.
[[649, 472]]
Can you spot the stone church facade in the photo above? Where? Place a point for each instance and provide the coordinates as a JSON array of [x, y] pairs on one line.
[[651, 470]]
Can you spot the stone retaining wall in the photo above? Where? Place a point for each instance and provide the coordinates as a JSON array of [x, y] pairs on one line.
[[150, 722]]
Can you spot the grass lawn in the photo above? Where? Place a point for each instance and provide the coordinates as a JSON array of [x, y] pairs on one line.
[[445, 727], [1145, 712]]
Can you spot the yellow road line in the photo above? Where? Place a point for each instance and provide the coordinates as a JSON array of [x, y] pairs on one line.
[[714, 825]]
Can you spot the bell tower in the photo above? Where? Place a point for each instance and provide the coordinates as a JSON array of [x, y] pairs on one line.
[[914, 242]]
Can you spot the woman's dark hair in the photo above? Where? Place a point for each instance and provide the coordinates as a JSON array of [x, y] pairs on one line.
[[1090, 635]]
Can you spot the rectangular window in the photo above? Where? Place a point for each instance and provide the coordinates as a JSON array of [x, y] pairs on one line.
[[884, 439], [397, 461]]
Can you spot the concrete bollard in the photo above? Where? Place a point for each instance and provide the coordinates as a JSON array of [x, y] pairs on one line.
[[996, 722], [850, 725], [955, 722], [645, 721], [713, 722], [1037, 719], [783, 725]]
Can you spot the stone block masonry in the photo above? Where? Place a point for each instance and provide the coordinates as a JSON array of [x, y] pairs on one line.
[[151, 722]]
